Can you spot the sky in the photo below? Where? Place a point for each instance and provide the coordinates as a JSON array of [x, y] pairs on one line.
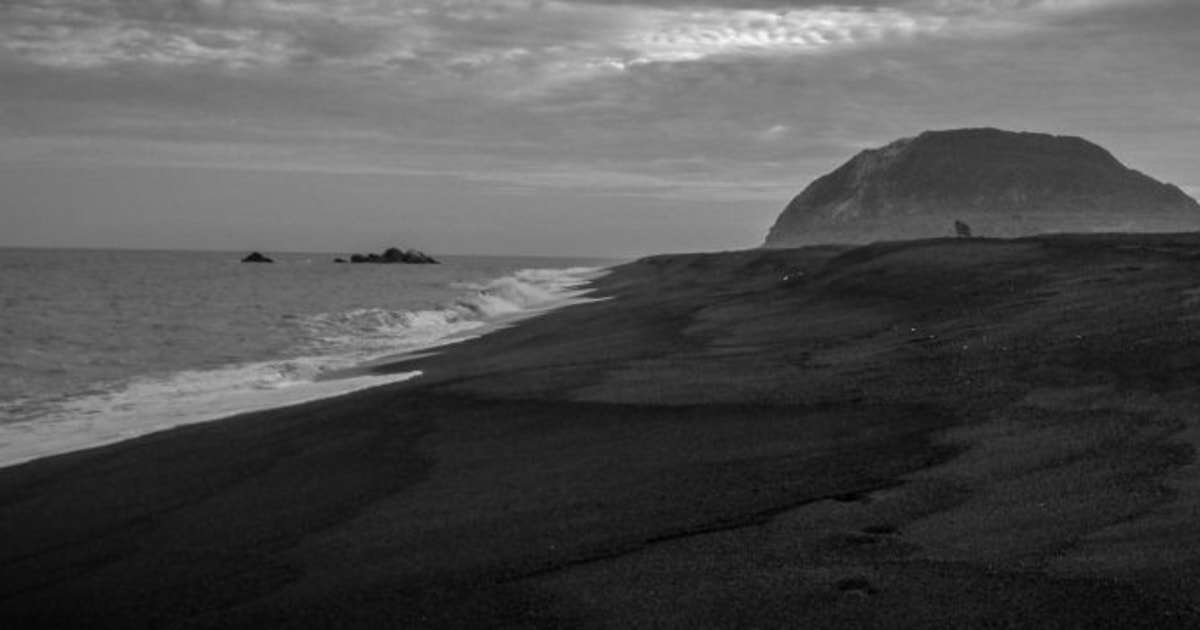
[[540, 127]]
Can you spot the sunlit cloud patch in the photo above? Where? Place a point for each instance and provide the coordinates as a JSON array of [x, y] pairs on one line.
[[688, 36]]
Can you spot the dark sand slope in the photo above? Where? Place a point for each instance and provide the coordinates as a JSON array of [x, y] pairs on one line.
[[936, 434]]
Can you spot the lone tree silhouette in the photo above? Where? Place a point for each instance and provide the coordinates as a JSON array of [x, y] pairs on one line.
[[963, 230]]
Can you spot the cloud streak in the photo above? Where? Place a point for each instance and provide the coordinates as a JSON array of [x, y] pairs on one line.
[[669, 36], [551, 37]]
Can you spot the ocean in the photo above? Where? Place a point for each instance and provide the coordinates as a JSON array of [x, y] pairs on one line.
[[104, 345]]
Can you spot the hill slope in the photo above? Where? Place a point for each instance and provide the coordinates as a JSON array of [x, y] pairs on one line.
[[1001, 183]]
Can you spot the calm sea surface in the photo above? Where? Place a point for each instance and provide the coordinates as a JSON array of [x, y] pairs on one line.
[[101, 345]]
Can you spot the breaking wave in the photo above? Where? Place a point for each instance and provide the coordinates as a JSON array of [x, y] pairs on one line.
[[328, 343], [367, 330]]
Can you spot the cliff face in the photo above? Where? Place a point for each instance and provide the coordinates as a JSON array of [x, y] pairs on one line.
[[1001, 183]]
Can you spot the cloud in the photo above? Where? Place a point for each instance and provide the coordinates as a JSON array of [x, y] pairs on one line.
[[774, 133], [664, 35], [508, 48], [655, 97], [550, 37], [560, 33]]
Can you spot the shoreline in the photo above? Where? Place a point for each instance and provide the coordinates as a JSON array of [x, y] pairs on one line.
[[85, 428], [897, 435]]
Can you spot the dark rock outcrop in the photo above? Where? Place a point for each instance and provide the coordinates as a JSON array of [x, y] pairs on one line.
[[395, 255], [256, 257], [1002, 183]]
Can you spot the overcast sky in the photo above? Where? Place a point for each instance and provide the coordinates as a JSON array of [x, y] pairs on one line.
[[538, 126]]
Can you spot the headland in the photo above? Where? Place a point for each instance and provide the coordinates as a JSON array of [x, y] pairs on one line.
[[1001, 183]]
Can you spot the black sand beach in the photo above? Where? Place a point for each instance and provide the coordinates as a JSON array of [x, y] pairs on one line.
[[932, 434]]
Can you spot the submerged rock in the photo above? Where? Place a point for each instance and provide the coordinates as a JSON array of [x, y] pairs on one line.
[[255, 257]]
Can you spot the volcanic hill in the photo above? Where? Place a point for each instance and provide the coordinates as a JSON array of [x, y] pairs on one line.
[[1001, 183]]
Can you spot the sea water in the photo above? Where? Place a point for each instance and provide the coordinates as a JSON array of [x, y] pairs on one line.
[[102, 345]]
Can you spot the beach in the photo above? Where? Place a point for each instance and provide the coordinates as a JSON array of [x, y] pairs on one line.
[[947, 433], [105, 345]]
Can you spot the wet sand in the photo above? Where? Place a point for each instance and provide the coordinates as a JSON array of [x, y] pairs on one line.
[[931, 434]]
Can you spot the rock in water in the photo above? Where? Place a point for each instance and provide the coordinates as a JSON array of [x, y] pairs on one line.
[[1001, 183], [255, 257], [395, 255]]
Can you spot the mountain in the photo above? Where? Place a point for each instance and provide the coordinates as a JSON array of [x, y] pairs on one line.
[[1000, 183]]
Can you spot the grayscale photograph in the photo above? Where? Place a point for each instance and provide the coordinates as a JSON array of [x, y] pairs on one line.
[[600, 314]]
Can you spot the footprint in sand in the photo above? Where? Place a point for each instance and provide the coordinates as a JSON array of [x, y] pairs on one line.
[[859, 586]]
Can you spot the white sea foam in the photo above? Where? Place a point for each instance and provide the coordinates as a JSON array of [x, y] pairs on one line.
[[150, 405], [367, 331], [331, 342]]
